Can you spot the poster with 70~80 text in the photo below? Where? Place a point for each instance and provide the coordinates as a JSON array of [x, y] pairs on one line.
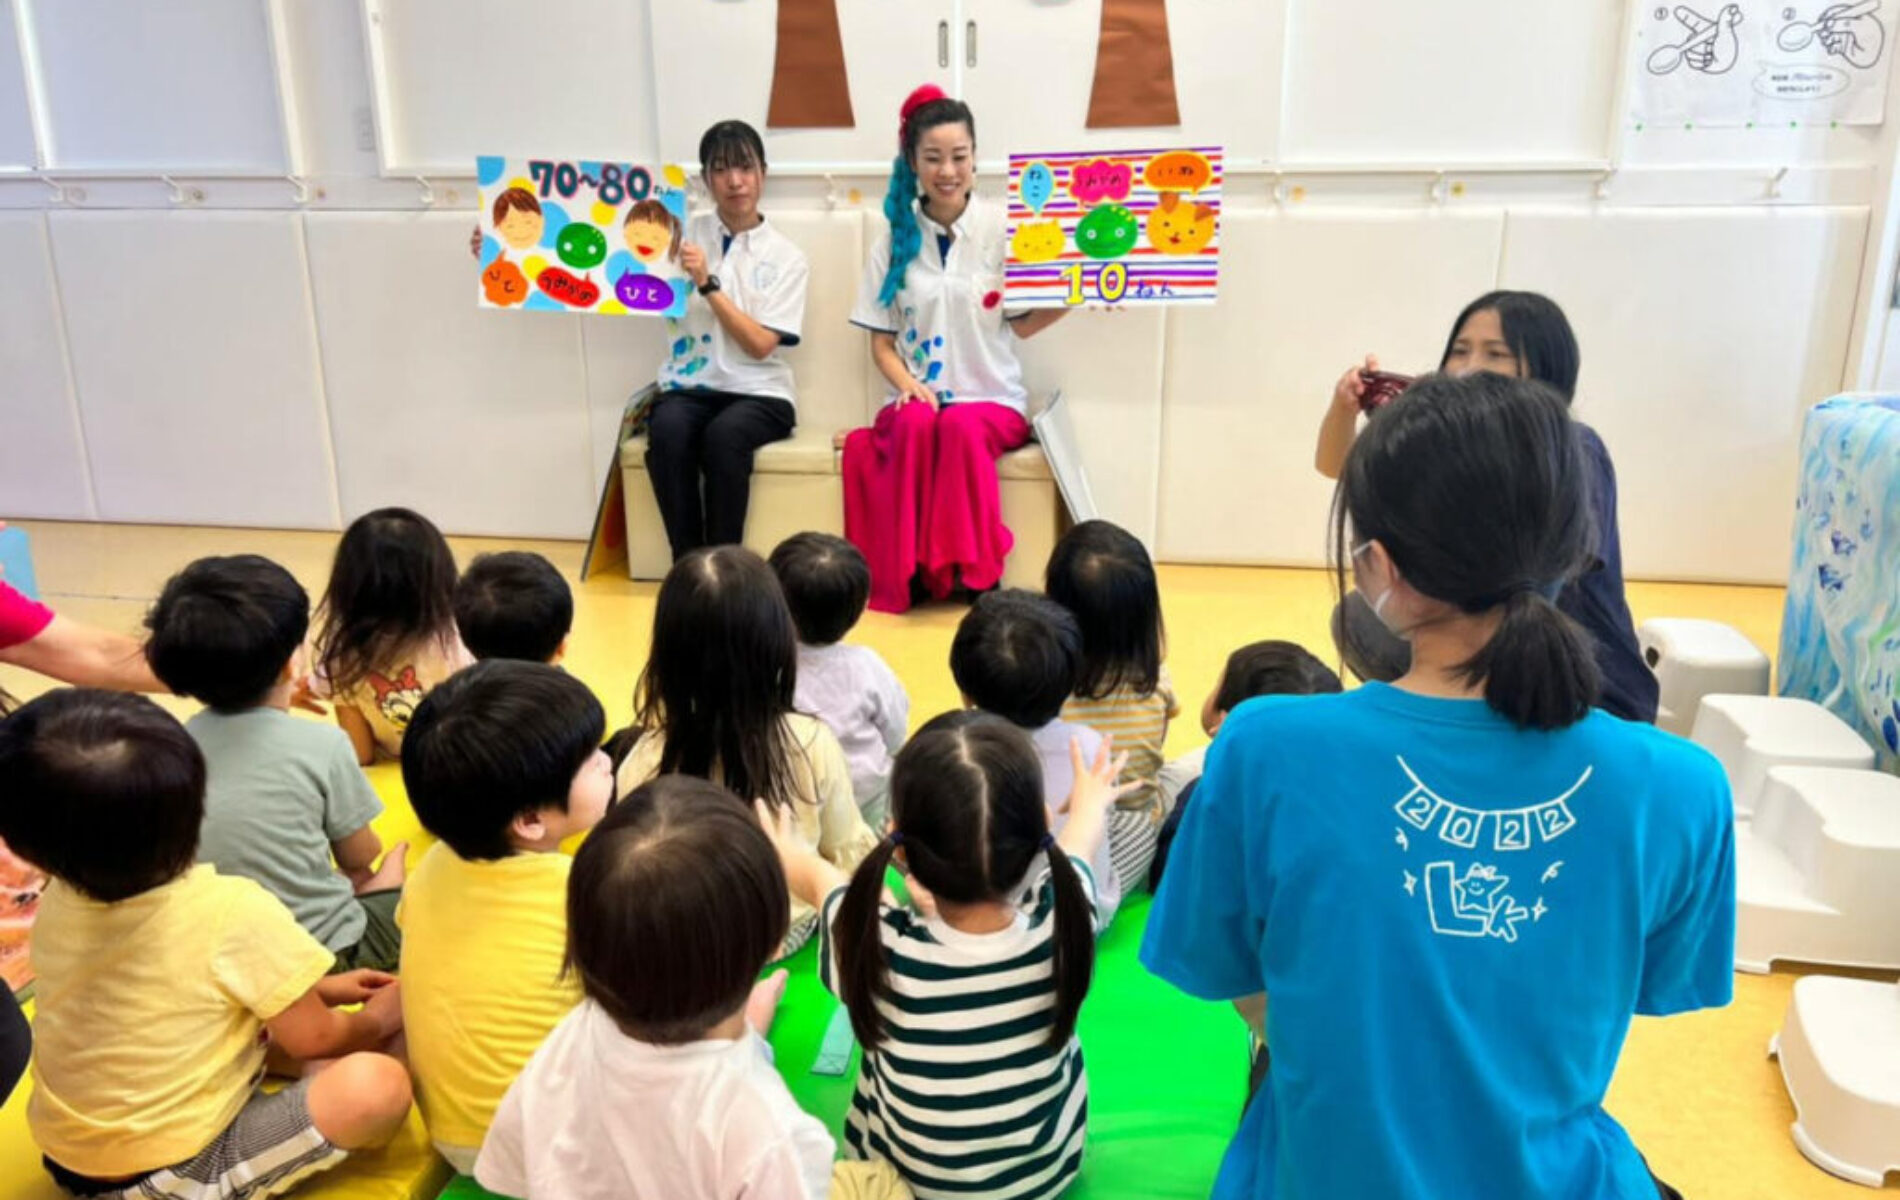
[[598, 237]]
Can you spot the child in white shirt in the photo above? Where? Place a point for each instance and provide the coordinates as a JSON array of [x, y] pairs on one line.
[[850, 688], [658, 1085]]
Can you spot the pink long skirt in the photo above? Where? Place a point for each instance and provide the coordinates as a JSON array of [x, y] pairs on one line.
[[921, 497]]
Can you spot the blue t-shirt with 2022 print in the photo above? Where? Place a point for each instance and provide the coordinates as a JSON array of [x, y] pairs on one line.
[[1453, 921]]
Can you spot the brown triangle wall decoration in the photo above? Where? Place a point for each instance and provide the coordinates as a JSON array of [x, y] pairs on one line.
[[1134, 67], [810, 89]]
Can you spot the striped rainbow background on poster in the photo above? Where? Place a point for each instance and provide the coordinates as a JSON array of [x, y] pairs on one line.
[[1151, 276]]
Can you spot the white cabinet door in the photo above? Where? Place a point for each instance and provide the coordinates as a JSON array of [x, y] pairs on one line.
[[713, 60], [1028, 69]]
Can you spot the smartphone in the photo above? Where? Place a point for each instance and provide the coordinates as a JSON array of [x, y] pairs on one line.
[[1382, 388]]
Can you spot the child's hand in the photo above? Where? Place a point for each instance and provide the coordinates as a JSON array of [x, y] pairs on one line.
[[384, 1006], [920, 393], [1349, 389], [303, 696], [1095, 787], [354, 987]]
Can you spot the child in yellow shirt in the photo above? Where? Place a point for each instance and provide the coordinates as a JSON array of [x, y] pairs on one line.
[[503, 763], [158, 979]]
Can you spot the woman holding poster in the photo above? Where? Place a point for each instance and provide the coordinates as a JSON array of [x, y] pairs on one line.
[[725, 389], [920, 494]]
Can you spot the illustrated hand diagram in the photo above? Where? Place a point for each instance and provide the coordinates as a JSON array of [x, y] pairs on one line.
[[1711, 46], [1849, 31]]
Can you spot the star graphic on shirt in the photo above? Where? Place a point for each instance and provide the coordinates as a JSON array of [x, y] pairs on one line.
[[1404, 842], [1538, 910], [1411, 882], [1550, 872]]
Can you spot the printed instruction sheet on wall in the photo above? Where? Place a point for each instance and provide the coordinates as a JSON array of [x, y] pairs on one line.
[[1761, 63]]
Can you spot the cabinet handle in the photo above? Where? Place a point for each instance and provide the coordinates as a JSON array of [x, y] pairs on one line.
[[969, 44], [943, 43]]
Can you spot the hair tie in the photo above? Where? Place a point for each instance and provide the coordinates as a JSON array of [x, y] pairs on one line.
[[897, 838], [1048, 841]]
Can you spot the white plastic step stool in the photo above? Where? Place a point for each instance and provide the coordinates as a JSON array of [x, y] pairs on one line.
[[1751, 734], [1839, 1048], [1693, 658], [1818, 870]]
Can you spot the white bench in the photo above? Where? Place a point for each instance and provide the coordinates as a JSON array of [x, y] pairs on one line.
[[1751, 734], [1818, 871], [1839, 1048], [1692, 659], [797, 486]]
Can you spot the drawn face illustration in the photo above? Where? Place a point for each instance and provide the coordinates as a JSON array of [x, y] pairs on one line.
[[648, 240], [1178, 228], [521, 229], [1107, 232], [1037, 242], [581, 246], [504, 284]]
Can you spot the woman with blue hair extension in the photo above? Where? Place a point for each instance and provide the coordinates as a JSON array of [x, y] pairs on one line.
[[921, 498]]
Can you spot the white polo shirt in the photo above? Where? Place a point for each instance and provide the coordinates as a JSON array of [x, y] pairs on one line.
[[765, 274], [948, 317]]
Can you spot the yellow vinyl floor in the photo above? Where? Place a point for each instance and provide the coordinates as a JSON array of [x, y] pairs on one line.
[[1697, 1092]]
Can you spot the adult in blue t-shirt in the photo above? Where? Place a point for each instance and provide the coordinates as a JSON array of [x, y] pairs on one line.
[[1526, 335], [1451, 893]]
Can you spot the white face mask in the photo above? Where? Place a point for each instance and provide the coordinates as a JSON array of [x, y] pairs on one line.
[[1377, 603]]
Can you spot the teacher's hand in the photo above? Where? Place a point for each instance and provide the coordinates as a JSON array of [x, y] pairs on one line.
[[693, 262], [1349, 389], [919, 393]]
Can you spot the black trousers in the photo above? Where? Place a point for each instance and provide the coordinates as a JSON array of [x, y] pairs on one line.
[[16, 1042], [710, 434]]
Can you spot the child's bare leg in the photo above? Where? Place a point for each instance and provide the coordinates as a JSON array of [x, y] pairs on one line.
[[762, 1007], [389, 874], [359, 1100]]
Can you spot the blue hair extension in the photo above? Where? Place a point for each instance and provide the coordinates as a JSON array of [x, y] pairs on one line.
[[907, 238]]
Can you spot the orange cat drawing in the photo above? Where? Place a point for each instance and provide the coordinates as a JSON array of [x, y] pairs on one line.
[[1177, 228]]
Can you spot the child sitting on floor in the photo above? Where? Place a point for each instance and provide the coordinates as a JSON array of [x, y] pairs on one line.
[[1257, 669], [1103, 575], [387, 628], [967, 1017], [282, 795], [503, 763], [159, 979], [849, 688], [1016, 655], [514, 605], [659, 1084], [716, 701]]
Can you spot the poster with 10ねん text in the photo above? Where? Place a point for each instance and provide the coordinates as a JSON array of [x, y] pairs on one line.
[[1113, 228], [582, 236]]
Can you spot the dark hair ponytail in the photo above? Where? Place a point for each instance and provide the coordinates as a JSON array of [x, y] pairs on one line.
[[966, 800], [1479, 491], [926, 108]]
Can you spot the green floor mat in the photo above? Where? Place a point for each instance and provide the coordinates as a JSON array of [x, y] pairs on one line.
[[1167, 1074]]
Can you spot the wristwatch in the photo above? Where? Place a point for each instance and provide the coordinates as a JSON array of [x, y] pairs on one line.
[[710, 286]]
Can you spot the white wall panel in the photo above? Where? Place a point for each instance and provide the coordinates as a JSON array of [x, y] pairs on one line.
[[1302, 298], [477, 418], [42, 464], [1108, 366], [196, 363], [1706, 334]]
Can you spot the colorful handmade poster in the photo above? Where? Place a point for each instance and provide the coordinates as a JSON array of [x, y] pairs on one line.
[[600, 237], [1133, 227], [1760, 63]]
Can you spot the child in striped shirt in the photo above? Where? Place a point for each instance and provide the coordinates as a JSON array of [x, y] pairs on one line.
[[1103, 575], [972, 1082]]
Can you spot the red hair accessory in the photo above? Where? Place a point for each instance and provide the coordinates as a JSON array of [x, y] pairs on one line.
[[916, 100]]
